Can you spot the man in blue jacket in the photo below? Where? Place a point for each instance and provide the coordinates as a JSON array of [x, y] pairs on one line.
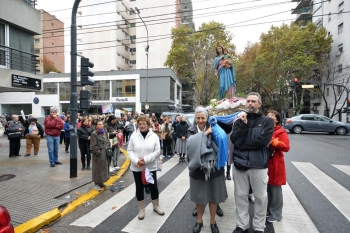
[[251, 134]]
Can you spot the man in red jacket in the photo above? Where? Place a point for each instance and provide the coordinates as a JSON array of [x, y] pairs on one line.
[[53, 126]]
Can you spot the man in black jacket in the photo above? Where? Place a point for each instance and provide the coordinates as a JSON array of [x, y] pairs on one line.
[[251, 134]]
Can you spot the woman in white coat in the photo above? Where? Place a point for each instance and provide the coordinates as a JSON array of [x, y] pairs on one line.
[[143, 151]]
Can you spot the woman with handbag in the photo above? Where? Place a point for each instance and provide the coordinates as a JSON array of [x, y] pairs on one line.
[[33, 133], [84, 135], [99, 144], [14, 134], [143, 151]]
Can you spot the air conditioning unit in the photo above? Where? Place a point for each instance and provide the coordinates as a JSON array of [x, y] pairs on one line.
[[133, 53], [130, 65], [338, 54]]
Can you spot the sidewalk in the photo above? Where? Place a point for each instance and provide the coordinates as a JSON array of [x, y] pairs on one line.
[[37, 188]]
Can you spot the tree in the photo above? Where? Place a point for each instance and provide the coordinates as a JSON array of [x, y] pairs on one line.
[[192, 55], [49, 66], [287, 52]]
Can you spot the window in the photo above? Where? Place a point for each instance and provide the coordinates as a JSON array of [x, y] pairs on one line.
[[340, 48], [308, 118], [133, 62], [64, 91], [37, 51], [132, 25], [178, 92], [340, 28], [341, 7], [172, 91], [340, 68], [49, 88], [329, 17], [126, 61], [2, 42], [100, 90], [124, 88], [37, 41], [133, 37], [327, 91], [133, 50], [126, 48]]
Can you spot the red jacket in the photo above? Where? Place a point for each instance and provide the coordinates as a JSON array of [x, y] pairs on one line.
[[53, 126], [276, 166]]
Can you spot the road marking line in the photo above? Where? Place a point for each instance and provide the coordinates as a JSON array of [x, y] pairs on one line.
[[331, 189], [343, 168], [295, 218], [153, 222], [102, 212]]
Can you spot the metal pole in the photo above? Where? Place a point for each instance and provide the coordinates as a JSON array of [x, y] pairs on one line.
[[73, 95], [347, 108], [147, 48]]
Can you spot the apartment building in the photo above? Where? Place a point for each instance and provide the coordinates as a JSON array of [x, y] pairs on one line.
[[184, 13], [114, 37], [19, 22], [329, 15], [49, 46]]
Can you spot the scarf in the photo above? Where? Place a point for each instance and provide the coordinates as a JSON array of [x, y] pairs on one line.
[[100, 131], [220, 139]]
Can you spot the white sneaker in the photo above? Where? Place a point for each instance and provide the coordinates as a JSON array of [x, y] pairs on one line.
[[97, 187], [251, 198], [116, 168]]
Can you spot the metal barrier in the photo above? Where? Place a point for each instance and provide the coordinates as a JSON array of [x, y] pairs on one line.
[[15, 59]]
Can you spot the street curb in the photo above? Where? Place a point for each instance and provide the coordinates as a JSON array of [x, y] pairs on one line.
[[39, 222]]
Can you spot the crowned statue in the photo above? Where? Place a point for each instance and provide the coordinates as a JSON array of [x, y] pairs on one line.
[[225, 71]]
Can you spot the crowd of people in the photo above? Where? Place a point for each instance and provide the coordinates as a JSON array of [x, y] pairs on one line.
[[256, 156]]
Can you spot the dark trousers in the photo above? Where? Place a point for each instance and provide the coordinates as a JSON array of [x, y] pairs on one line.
[[62, 137], [84, 146], [126, 135], [174, 146], [166, 147], [140, 187], [67, 143], [15, 146]]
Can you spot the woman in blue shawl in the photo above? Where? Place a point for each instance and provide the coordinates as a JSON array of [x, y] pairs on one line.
[[225, 71]]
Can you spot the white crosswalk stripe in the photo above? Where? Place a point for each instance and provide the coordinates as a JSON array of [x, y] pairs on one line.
[[174, 192], [295, 217], [331, 189], [99, 214]]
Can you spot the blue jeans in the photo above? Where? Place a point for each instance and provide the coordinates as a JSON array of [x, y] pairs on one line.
[[52, 146]]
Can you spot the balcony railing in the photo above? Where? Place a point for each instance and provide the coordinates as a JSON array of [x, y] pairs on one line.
[[15, 59], [30, 2]]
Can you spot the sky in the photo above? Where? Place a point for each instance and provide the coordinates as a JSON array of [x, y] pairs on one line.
[[245, 19]]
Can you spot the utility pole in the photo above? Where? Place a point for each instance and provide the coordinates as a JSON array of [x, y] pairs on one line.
[[73, 95]]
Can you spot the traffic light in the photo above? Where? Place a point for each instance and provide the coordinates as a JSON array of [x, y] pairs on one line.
[[294, 82], [85, 72], [85, 96]]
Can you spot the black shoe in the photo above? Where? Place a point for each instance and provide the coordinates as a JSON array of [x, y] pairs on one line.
[[194, 213], [197, 228], [258, 232], [26, 155], [35, 153], [147, 190], [18, 155], [240, 230], [58, 163], [228, 176], [67, 151], [83, 168], [219, 211], [12, 156], [214, 228], [88, 168], [52, 165]]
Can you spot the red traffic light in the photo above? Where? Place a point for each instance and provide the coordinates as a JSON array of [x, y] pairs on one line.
[[296, 80]]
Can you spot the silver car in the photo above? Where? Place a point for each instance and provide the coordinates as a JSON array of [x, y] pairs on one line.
[[315, 123]]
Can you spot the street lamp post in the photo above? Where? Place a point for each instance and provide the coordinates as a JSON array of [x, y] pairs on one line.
[[146, 49]]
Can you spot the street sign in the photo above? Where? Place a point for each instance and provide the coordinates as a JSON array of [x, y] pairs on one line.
[[308, 86], [26, 82]]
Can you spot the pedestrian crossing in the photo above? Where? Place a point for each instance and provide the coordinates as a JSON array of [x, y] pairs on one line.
[[295, 217]]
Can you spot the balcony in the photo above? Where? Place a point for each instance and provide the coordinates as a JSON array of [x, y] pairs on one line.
[[30, 2], [15, 59]]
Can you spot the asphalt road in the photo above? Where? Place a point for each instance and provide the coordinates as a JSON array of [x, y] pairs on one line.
[[319, 150]]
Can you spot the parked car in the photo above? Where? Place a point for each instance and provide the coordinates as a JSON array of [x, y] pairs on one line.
[[5, 221], [315, 123]]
